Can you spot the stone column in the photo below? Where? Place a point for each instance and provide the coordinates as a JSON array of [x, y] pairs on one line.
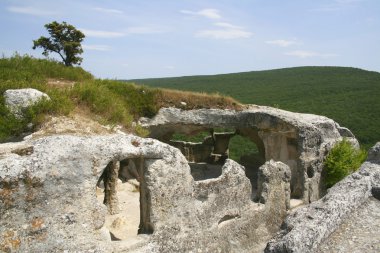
[[145, 226], [110, 183]]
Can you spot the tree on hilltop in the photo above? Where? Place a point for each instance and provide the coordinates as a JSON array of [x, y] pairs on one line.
[[64, 40]]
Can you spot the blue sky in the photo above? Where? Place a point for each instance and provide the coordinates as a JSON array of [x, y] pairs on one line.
[[140, 38]]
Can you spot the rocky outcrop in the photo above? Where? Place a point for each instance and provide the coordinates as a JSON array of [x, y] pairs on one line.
[[305, 229], [301, 141], [48, 199], [20, 99], [267, 174], [374, 154]]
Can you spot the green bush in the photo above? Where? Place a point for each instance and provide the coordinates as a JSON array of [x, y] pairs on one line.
[[12, 126], [9, 124], [342, 160]]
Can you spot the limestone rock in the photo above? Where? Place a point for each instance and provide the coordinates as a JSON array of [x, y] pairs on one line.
[[301, 141], [274, 172], [19, 99], [48, 199], [374, 154], [306, 228]]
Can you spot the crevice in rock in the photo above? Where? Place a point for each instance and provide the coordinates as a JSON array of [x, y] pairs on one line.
[[310, 172], [228, 217], [24, 151], [376, 192]]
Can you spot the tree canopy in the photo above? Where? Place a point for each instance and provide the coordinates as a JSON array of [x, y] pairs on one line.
[[64, 40]]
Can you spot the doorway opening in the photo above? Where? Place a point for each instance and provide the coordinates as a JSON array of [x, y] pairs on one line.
[[121, 188], [247, 149]]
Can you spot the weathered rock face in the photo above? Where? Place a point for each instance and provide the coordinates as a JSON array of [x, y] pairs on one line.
[[17, 100], [374, 153], [48, 199], [268, 173], [306, 228], [299, 140]]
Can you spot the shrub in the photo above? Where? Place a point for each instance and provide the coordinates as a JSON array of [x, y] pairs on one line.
[[9, 124], [342, 160]]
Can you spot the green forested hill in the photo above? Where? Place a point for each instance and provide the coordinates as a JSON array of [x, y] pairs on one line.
[[350, 96]]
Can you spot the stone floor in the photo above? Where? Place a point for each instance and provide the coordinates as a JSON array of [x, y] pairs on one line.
[[360, 233], [124, 225]]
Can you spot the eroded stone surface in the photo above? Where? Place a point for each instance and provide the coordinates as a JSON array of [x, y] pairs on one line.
[[306, 229], [17, 100], [48, 200], [374, 153], [358, 233], [267, 173], [299, 140]]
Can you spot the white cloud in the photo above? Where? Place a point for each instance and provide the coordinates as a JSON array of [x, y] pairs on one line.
[[111, 11], [307, 54], [207, 13], [128, 31], [96, 47], [227, 31], [282, 43], [102, 34], [31, 11], [146, 30], [228, 25], [170, 67], [223, 34]]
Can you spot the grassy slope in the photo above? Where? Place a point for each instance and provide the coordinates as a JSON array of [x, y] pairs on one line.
[[349, 96], [108, 101]]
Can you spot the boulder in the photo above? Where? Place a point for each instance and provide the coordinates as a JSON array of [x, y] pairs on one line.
[[19, 99]]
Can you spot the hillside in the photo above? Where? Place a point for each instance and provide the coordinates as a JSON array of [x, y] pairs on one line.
[[350, 96], [76, 94]]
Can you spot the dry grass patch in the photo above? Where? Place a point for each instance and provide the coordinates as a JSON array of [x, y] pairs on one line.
[[60, 83], [194, 100], [77, 123]]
